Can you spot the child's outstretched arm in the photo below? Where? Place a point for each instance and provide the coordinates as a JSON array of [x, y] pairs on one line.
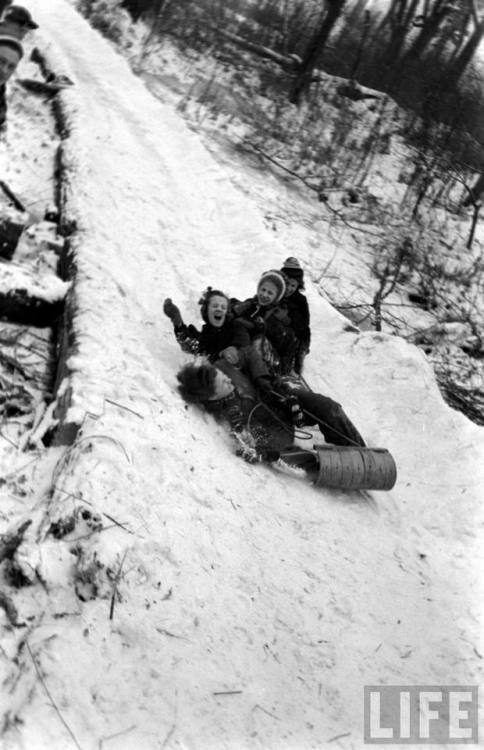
[[187, 336]]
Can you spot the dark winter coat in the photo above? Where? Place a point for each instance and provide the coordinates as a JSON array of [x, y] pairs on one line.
[[276, 433], [298, 311], [271, 321], [3, 104], [211, 341]]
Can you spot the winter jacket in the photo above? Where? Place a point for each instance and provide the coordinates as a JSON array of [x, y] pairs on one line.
[[211, 341], [298, 311], [277, 433], [271, 321], [3, 104]]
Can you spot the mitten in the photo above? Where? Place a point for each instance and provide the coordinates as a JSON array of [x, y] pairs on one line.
[[244, 449], [239, 308], [231, 355], [172, 312]]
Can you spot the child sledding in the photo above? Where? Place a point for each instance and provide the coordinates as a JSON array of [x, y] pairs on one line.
[[250, 377]]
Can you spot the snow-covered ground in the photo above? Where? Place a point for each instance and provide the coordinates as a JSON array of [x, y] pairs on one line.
[[179, 597]]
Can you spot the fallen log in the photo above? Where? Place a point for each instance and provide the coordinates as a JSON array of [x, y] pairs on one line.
[[30, 297], [12, 224], [287, 62]]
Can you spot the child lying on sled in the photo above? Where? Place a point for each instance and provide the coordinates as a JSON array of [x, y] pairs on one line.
[[228, 394]]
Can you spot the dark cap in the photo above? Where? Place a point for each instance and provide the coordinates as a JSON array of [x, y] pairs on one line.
[[292, 268], [21, 16]]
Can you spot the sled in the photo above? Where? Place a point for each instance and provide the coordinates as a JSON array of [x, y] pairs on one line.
[[327, 465], [344, 467], [355, 468], [348, 467]]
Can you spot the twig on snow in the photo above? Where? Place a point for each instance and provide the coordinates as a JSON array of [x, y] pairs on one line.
[[265, 711], [227, 692], [121, 406], [168, 736], [118, 523], [339, 737], [8, 440], [87, 502], [103, 437], [117, 734], [115, 586], [170, 635], [49, 696]]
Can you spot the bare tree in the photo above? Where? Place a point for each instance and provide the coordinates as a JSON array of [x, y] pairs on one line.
[[430, 24], [313, 53]]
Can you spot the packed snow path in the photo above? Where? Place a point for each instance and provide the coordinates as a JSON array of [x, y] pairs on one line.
[[247, 609]]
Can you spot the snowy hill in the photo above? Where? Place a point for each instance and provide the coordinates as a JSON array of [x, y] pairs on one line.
[[178, 597]]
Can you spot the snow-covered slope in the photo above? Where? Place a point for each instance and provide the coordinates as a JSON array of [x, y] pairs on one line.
[[221, 605]]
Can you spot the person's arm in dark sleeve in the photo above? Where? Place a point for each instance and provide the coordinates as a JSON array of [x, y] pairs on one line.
[[241, 335], [189, 339], [187, 336]]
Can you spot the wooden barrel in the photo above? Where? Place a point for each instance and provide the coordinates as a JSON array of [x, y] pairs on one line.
[[354, 468]]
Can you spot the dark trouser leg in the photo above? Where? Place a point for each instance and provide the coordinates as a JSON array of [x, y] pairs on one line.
[[251, 362], [330, 418]]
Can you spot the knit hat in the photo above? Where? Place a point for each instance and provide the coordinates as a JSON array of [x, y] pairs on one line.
[[274, 277], [9, 37], [19, 15], [292, 268]]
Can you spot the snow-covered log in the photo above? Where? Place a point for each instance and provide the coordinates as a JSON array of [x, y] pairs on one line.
[[29, 296], [12, 225]]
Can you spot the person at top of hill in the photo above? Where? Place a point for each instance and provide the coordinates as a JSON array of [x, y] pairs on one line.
[[18, 21], [11, 52], [267, 321], [297, 308], [221, 336]]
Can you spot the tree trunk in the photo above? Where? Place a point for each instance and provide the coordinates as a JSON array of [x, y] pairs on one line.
[[304, 75], [475, 216], [287, 62], [466, 55], [428, 32], [399, 18], [18, 306]]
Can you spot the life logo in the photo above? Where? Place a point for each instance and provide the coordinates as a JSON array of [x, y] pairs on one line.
[[411, 714]]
